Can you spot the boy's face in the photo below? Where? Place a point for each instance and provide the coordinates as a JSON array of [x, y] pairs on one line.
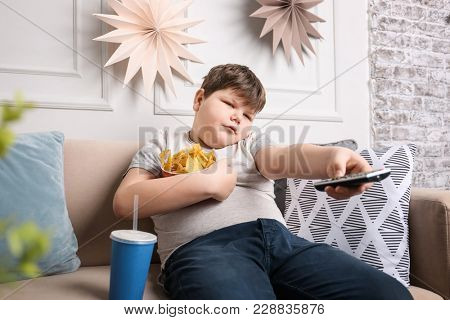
[[222, 119]]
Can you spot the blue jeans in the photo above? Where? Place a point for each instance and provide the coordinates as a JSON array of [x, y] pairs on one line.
[[262, 259]]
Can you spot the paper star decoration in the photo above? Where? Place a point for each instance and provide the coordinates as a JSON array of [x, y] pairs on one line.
[[290, 22], [151, 36]]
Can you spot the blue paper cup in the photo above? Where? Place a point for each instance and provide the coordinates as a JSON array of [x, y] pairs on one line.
[[131, 255]]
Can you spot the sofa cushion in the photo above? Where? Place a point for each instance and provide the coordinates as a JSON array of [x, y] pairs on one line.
[[92, 172], [32, 190], [92, 283], [87, 283], [429, 239], [372, 226], [423, 294]]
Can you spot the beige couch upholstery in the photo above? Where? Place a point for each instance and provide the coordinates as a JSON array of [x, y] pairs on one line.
[[93, 171]]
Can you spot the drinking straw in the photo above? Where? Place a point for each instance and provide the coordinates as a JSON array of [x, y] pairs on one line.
[[135, 211]]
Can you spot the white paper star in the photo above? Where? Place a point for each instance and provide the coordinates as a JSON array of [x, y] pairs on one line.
[[290, 22], [152, 37]]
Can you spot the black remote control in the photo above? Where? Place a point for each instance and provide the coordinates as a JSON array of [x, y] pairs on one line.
[[354, 179]]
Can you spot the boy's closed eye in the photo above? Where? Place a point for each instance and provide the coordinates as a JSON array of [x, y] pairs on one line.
[[249, 117], [228, 103]]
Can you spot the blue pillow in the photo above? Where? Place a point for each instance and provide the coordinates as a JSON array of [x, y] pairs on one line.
[[32, 189]]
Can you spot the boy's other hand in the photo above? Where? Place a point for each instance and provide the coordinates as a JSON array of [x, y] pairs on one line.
[[345, 161], [221, 178]]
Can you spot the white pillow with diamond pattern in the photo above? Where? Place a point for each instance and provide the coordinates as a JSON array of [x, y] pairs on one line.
[[373, 226]]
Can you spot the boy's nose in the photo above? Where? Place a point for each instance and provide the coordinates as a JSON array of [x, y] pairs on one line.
[[236, 118]]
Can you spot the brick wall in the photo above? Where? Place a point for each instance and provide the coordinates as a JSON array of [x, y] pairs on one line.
[[410, 82]]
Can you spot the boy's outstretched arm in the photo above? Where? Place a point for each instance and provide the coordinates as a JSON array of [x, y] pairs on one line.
[[308, 161]]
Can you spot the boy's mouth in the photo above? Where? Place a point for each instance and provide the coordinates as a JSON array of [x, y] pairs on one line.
[[232, 129]]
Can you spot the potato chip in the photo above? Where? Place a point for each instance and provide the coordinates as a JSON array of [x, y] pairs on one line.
[[187, 160]]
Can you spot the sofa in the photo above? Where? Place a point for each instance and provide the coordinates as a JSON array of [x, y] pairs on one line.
[[92, 173]]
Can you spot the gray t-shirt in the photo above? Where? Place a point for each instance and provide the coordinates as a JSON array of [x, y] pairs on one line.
[[252, 198]]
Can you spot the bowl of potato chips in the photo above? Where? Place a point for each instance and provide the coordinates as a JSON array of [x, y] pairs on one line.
[[188, 160]]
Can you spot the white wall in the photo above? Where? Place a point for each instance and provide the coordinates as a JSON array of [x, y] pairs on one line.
[[77, 98]]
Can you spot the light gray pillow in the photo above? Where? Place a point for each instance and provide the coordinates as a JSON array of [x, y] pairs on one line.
[[373, 226]]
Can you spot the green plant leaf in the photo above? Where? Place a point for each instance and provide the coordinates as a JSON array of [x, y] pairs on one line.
[[29, 269], [27, 242], [7, 275], [15, 244], [20, 101], [6, 139], [11, 113], [18, 98], [3, 226]]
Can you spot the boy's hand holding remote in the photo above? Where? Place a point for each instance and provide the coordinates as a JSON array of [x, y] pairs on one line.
[[308, 161], [343, 161]]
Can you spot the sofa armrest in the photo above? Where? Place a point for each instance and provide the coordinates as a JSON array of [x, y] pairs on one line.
[[429, 240]]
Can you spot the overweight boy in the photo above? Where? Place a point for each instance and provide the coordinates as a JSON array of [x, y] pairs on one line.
[[220, 233]]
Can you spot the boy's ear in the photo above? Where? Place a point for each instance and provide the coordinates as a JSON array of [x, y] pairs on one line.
[[198, 99]]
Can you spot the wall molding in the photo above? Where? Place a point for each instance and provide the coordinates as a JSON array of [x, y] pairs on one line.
[[73, 73], [101, 103]]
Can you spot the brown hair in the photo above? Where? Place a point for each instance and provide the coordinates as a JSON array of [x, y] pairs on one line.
[[239, 78]]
